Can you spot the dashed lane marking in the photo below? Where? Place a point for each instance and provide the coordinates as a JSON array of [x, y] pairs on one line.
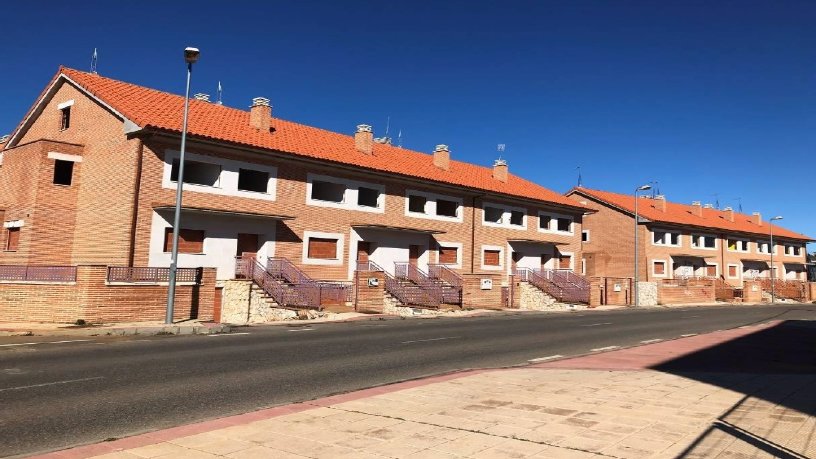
[[301, 329], [46, 342], [688, 335], [68, 381], [430, 339], [543, 359], [597, 325], [228, 334], [649, 341], [607, 348]]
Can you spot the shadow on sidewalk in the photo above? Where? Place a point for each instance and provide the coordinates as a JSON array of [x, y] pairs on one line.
[[775, 369]]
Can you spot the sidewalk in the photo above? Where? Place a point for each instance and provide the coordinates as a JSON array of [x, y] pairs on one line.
[[728, 394], [188, 327]]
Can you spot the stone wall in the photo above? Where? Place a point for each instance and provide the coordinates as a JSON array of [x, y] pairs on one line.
[[647, 294], [531, 298], [244, 303]]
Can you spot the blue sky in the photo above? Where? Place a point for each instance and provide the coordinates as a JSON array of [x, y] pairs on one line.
[[714, 100]]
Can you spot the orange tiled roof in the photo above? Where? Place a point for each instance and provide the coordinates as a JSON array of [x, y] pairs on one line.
[[682, 214], [150, 108]]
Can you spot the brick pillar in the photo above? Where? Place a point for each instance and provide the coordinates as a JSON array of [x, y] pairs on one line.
[[751, 292], [370, 291], [595, 291]]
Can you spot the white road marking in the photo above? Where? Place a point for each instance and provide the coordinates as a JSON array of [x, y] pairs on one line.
[[46, 342], [688, 317], [301, 329], [688, 334], [596, 325], [649, 341], [223, 334], [549, 357], [68, 381], [607, 348], [431, 339]]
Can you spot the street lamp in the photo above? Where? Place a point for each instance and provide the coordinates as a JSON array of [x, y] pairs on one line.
[[773, 274], [637, 278], [190, 57]]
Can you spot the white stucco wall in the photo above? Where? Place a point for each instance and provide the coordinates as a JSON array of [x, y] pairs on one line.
[[220, 240], [389, 247]]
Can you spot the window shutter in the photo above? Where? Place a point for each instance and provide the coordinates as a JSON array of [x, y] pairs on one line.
[[492, 257], [448, 255], [322, 248]]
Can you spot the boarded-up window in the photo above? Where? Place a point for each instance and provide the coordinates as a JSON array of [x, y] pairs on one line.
[[448, 255], [732, 271], [12, 239], [322, 248], [711, 270], [492, 258], [565, 262], [189, 241], [659, 268]]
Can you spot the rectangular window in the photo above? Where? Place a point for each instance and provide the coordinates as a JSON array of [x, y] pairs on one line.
[[12, 239], [416, 204], [491, 258], [197, 173], [763, 247], [448, 255], [445, 208], [711, 270], [544, 222], [368, 197], [517, 218], [328, 191], [737, 245], [252, 180], [708, 242], [565, 262], [189, 241], [63, 172], [732, 271], [65, 118], [493, 214], [585, 236], [659, 268], [660, 237], [322, 248], [565, 225]]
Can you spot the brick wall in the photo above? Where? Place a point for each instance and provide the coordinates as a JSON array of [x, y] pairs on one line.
[[90, 298], [369, 298], [700, 292], [752, 292], [474, 297]]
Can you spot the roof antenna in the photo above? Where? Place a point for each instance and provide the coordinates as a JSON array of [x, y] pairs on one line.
[[94, 60], [500, 149], [716, 200], [399, 138], [385, 139], [655, 188], [739, 204], [580, 180], [220, 93]]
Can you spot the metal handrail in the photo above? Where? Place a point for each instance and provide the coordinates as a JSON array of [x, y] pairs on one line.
[[286, 270], [146, 274], [560, 284], [443, 273], [408, 271], [286, 295]]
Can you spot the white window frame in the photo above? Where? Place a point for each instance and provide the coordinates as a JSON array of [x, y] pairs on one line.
[[502, 253], [583, 266], [65, 104], [14, 224], [716, 272], [759, 244], [557, 258], [349, 196], [458, 246], [738, 271], [666, 269], [430, 206], [227, 179], [738, 240], [554, 219], [505, 221], [695, 237], [586, 231], [667, 233], [338, 261], [792, 252]]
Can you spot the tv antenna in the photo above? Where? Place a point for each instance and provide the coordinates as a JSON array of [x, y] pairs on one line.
[[739, 204], [580, 180], [399, 138], [716, 200], [500, 149], [219, 93], [94, 61]]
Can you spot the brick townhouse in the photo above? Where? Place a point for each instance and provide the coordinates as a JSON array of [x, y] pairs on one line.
[[89, 178], [678, 240]]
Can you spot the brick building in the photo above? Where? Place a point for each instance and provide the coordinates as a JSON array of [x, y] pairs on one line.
[[89, 178], [677, 240]]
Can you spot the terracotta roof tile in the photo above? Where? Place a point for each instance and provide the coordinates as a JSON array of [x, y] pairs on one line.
[[682, 214], [150, 108]]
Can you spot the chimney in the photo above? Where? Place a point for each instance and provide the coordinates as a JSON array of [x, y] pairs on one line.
[[202, 97], [364, 139], [500, 170], [660, 202], [3, 139], [729, 213], [260, 114], [697, 208], [708, 206], [441, 157], [756, 217]]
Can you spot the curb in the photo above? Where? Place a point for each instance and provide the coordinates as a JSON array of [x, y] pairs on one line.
[[202, 329]]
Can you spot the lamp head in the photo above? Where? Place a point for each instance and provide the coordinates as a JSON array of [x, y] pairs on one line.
[[644, 188], [778, 217], [191, 55]]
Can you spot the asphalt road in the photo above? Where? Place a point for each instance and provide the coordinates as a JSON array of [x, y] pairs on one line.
[[59, 394]]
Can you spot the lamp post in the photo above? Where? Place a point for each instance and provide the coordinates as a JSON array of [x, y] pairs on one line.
[[637, 278], [190, 57], [773, 273]]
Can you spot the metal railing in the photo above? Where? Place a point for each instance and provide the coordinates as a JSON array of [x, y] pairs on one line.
[[290, 287], [27, 273], [431, 287], [286, 270], [285, 295], [563, 285], [132, 274], [445, 274], [405, 292]]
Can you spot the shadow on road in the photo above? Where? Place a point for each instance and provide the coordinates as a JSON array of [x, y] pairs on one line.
[[775, 369]]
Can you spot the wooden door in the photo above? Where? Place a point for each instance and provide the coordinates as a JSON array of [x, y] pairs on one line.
[[363, 251], [413, 254], [247, 243]]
